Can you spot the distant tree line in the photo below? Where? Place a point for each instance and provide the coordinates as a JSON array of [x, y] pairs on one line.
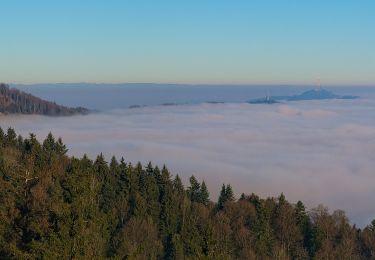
[[13, 101], [53, 206]]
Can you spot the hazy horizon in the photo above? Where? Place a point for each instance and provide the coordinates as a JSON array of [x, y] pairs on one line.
[[128, 94]]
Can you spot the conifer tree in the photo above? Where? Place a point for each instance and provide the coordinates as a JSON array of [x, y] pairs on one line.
[[11, 136], [177, 185], [49, 143], [194, 189], [204, 194], [60, 147], [2, 137], [222, 197], [226, 195], [229, 195]]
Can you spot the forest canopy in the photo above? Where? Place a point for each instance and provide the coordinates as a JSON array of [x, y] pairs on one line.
[[56, 206]]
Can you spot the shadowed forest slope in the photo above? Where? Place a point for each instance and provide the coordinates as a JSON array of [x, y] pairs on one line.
[[13, 101]]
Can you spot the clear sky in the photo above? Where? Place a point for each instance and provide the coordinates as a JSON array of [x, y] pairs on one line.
[[190, 41]]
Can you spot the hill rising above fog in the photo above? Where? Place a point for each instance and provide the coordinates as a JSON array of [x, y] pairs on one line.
[[314, 94], [14, 101]]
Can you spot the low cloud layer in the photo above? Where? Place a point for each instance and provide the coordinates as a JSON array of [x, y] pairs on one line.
[[318, 151]]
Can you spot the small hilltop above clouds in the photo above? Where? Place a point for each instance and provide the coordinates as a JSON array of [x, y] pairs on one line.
[[14, 101], [314, 94]]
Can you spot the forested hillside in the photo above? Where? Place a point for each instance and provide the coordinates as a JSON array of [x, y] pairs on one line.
[[53, 206], [13, 101]]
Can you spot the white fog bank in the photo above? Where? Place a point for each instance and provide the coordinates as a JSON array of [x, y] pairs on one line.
[[315, 151]]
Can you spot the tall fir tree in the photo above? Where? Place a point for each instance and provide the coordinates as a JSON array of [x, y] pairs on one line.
[[194, 189], [204, 194]]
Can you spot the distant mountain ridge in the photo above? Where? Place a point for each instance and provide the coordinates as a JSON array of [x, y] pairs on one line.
[[14, 101], [314, 94]]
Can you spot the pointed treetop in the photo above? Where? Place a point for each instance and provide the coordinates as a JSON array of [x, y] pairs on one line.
[[204, 194], [282, 199], [114, 162], [229, 193], [177, 184]]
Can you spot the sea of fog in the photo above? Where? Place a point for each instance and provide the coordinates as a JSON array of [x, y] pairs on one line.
[[315, 151]]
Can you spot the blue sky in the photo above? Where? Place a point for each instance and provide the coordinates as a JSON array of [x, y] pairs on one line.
[[191, 41]]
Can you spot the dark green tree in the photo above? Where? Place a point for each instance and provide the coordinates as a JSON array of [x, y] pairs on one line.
[[194, 189], [229, 193], [222, 197], [204, 194], [49, 143], [11, 137], [177, 185], [226, 195]]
